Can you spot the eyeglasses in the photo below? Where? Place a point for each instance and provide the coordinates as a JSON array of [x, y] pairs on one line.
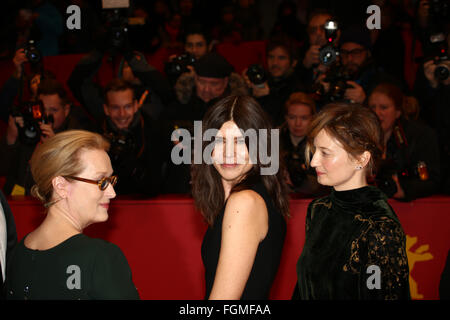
[[354, 52], [102, 183]]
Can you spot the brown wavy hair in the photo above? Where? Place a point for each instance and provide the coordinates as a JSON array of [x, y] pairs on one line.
[[354, 126], [207, 188]]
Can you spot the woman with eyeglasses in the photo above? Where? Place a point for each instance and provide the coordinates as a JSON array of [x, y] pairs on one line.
[[73, 176]]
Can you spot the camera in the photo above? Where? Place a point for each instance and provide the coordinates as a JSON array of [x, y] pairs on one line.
[[440, 54], [120, 144], [32, 114], [328, 53], [32, 53], [337, 77], [257, 75], [179, 65]]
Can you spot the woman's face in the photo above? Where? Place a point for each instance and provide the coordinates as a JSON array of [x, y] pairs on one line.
[[87, 203], [334, 166], [298, 118], [385, 109], [230, 154]]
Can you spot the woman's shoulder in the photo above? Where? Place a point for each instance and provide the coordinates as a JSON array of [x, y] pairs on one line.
[[319, 202], [247, 198], [100, 246]]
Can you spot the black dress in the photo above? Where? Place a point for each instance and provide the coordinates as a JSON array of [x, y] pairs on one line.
[[79, 268], [347, 232], [267, 256]]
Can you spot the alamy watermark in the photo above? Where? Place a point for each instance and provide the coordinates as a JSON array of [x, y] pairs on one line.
[[74, 20], [374, 280], [74, 279], [229, 148]]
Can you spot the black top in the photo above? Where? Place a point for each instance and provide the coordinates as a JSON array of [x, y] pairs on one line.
[[267, 256], [346, 233], [78, 268]]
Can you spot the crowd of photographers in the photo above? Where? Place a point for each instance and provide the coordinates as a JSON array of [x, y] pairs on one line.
[[327, 60]]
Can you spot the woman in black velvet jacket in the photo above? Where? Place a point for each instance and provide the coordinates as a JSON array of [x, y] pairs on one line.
[[354, 243]]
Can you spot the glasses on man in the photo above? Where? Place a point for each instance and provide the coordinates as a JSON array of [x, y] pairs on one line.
[[102, 183]]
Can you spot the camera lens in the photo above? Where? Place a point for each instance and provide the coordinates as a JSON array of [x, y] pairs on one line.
[[256, 74], [327, 55], [441, 72]]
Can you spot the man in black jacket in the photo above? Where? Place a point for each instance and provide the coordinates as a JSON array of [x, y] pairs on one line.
[[137, 148], [17, 146], [281, 81]]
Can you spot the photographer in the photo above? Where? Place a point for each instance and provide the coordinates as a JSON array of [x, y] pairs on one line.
[[137, 148], [410, 167], [310, 66], [432, 88], [197, 43], [213, 78], [356, 74], [21, 85], [298, 112], [24, 132], [280, 81], [151, 87]]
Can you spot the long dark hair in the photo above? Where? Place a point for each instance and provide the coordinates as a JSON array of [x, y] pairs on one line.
[[207, 188]]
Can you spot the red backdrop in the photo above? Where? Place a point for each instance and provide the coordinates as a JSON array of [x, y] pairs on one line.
[[161, 239]]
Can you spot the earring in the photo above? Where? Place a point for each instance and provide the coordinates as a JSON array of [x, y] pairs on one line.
[[358, 167]]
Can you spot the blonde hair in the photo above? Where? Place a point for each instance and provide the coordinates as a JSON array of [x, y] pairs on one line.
[[59, 156], [300, 98]]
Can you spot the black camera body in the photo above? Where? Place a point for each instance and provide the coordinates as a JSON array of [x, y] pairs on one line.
[[439, 53], [121, 144], [179, 65], [257, 74], [329, 53], [116, 22], [32, 114], [32, 53], [337, 77]]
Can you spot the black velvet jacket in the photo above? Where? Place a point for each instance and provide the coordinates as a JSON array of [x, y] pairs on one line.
[[346, 232]]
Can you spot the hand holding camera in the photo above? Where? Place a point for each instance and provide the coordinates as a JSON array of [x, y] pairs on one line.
[[437, 72], [311, 57], [354, 93], [19, 59]]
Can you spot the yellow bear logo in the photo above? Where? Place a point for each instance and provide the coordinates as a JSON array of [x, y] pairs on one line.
[[420, 254]]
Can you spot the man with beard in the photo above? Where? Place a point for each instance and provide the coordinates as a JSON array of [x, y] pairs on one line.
[[356, 63], [281, 81]]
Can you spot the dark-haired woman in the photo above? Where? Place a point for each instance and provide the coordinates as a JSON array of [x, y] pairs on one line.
[[354, 243], [244, 203]]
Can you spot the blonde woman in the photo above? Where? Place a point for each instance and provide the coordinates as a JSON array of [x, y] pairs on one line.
[[74, 180]]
